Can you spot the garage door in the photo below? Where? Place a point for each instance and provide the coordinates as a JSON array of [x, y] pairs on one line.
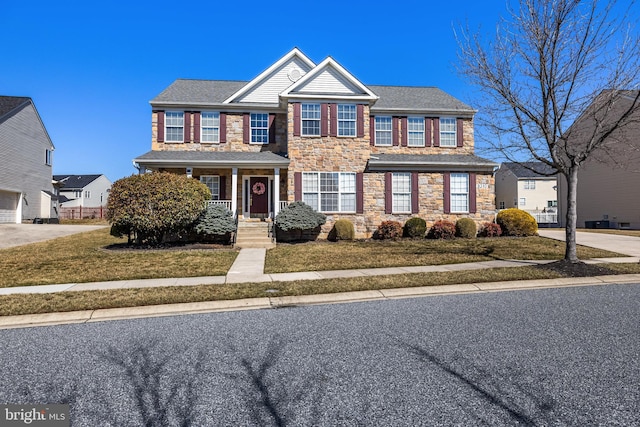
[[8, 206]]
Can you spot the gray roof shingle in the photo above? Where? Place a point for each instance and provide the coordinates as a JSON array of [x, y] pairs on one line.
[[72, 182], [198, 92], [220, 158], [523, 170], [430, 162], [10, 103]]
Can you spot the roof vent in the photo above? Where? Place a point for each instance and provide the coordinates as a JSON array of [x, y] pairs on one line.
[[294, 75]]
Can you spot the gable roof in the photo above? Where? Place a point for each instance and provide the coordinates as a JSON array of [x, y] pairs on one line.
[[329, 79], [73, 182], [10, 103], [523, 170]]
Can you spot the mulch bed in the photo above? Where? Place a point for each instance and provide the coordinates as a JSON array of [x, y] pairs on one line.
[[168, 247], [577, 269]]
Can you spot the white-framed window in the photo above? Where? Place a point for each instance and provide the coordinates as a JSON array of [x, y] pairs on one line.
[[447, 131], [501, 205], [77, 194], [522, 201], [174, 126], [259, 128], [529, 184], [209, 126], [459, 189], [213, 182], [48, 155], [415, 131], [347, 115], [329, 191], [310, 116], [383, 136], [401, 192], [87, 194]]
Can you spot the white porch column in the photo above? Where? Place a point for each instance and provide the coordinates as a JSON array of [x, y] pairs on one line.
[[19, 208], [276, 190], [234, 190]]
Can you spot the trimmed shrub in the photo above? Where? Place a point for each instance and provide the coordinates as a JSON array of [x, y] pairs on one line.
[[388, 230], [466, 228], [296, 220], [516, 222], [342, 230], [415, 227], [216, 223], [490, 229], [149, 206], [442, 229]]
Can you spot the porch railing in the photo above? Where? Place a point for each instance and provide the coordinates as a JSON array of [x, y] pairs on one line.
[[225, 203], [545, 217], [283, 204]]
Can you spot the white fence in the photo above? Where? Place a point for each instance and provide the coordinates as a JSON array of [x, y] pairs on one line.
[[545, 217]]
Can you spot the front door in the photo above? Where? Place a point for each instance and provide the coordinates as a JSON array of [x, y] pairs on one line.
[[259, 196]]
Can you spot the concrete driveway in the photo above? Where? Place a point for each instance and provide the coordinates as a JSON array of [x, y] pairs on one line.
[[22, 234], [627, 245]]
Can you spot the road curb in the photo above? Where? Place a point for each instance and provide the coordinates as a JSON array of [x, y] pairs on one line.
[[101, 315]]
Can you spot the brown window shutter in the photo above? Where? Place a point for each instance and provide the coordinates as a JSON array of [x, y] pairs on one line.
[[223, 128], [372, 130], [436, 131], [415, 193], [196, 127], [459, 133], [395, 132], [296, 119], [447, 192], [297, 186], [333, 111], [324, 119], [388, 193], [359, 192], [360, 121], [223, 187], [427, 132], [472, 193], [160, 137], [272, 129], [187, 126], [246, 131], [405, 132]]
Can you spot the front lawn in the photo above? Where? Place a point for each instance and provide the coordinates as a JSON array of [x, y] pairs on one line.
[[82, 258], [317, 256]]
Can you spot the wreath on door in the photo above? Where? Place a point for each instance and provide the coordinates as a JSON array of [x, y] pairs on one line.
[[258, 188]]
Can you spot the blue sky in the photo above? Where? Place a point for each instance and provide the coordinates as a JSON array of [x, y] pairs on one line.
[[92, 68]]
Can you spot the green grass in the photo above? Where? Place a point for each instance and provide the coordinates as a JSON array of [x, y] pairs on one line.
[[317, 256], [82, 258]]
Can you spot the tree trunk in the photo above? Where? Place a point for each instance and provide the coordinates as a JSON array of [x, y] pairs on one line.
[[570, 253]]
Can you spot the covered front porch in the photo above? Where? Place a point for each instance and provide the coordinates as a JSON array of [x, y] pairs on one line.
[[251, 185]]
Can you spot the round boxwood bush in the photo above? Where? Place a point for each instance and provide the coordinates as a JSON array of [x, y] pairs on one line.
[[442, 229], [342, 230], [415, 227], [388, 230], [516, 222], [466, 228], [490, 229]]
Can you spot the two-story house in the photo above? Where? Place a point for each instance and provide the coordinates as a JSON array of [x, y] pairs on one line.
[[26, 156], [314, 132], [87, 191]]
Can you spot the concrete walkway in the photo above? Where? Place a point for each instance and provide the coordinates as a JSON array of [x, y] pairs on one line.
[[21, 234]]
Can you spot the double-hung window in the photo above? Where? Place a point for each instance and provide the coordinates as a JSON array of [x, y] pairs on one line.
[[174, 126], [213, 183], [383, 130], [459, 187], [259, 128], [401, 192], [310, 115], [530, 184], [347, 115], [415, 132], [209, 127], [48, 155], [329, 191], [447, 131]]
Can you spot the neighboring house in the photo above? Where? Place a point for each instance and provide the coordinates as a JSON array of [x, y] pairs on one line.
[[87, 191], [314, 132], [26, 155], [530, 187], [609, 181]]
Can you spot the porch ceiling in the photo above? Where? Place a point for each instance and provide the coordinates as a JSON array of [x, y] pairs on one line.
[[217, 159]]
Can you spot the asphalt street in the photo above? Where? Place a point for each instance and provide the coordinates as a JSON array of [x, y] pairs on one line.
[[548, 357]]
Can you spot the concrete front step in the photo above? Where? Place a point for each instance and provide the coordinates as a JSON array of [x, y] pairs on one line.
[[253, 234]]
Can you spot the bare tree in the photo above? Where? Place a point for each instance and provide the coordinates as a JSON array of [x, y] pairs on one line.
[[559, 83]]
